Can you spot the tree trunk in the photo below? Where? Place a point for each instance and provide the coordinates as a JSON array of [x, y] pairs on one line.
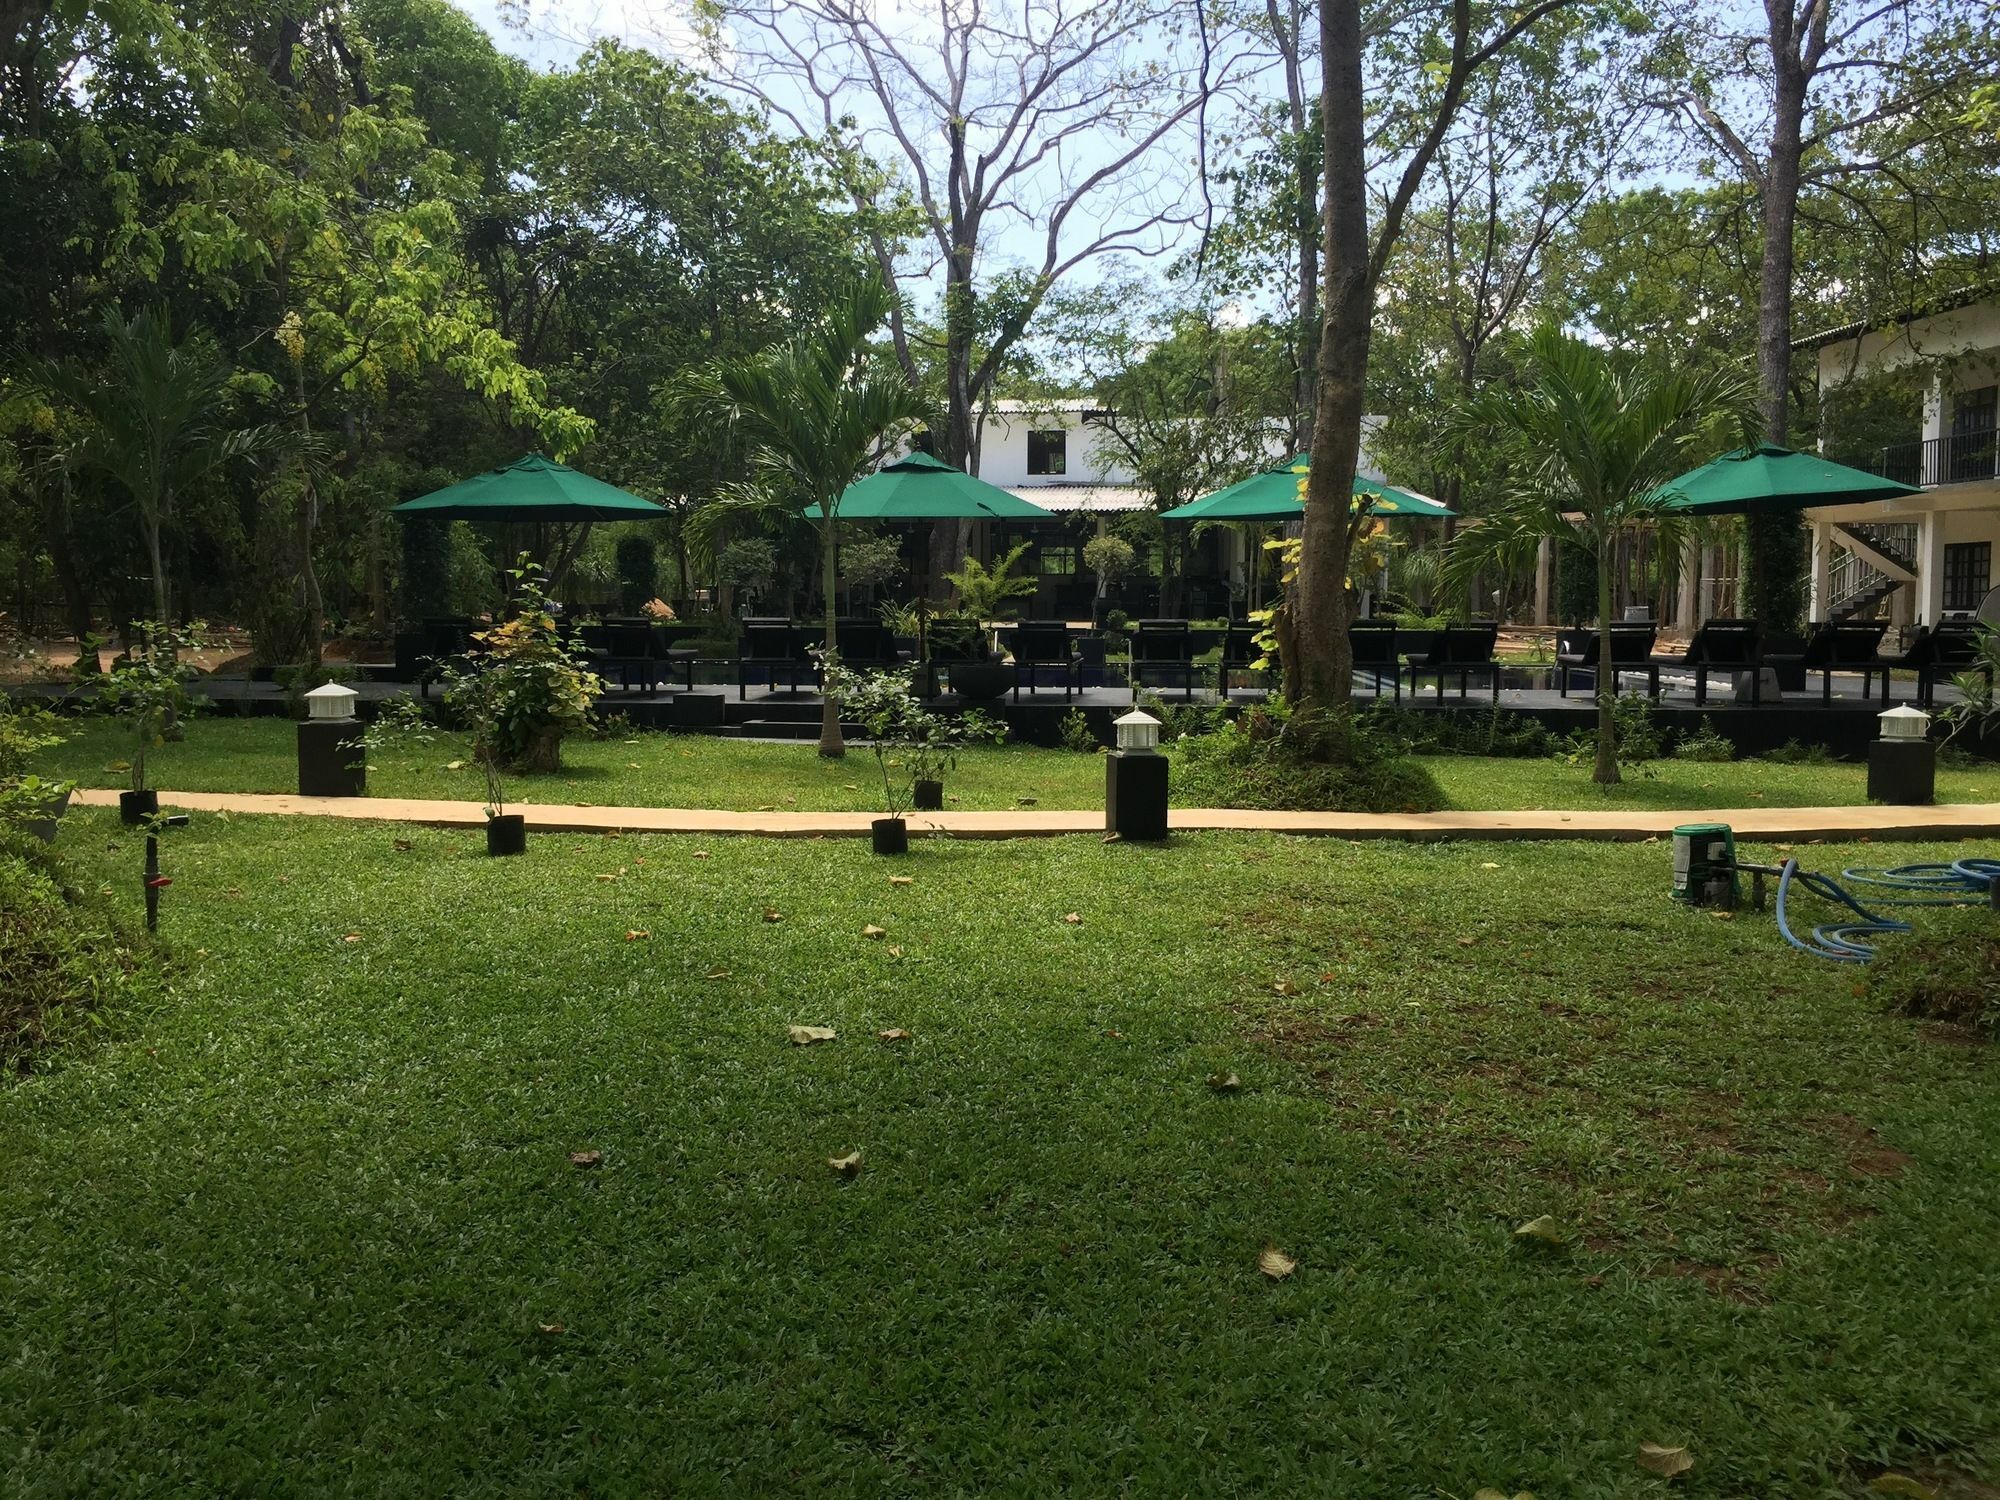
[[1605, 771], [1322, 664], [831, 745], [151, 529]]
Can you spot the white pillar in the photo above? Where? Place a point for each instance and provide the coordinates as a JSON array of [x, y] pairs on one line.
[[1544, 568], [1821, 597], [1686, 605], [1930, 568]]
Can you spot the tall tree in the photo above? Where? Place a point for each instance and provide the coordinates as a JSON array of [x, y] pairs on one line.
[[1591, 435], [817, 412], [1070, 127], [1355, 253], [1825, 93]]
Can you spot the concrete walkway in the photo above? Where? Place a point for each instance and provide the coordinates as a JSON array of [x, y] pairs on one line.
[[1790, 824]]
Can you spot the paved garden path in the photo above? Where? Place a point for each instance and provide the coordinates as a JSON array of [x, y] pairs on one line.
[[1782, 823]]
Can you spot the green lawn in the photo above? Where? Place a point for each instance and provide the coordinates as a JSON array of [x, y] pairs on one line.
[[663, 770], [303, 1225]]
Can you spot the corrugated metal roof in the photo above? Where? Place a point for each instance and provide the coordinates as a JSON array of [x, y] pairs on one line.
[[1929, 307], [1068, 498]]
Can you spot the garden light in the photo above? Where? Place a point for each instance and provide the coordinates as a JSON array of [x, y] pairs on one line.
[[332, 760], [1902, 764], [332, 702], [1138, 732]]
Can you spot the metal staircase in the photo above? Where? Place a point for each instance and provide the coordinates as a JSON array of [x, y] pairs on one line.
[[1859, 581]]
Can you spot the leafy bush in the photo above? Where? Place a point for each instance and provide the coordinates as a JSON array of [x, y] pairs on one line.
[[61, 959], [147, 688], [25, 729], [1792, 753], [1706, 744], [1496, 732], [1076, 733], [1635, 729], [910, 741], [526, 688], [988, 593], [1256, 761], [1948, 970]]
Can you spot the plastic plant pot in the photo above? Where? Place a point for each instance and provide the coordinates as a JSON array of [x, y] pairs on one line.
[[507, 834]]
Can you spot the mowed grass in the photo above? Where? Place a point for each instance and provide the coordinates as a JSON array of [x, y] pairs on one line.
[[312, 1222], [670, 770]]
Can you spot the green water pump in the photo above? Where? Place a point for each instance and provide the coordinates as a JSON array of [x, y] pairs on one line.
[[1705, 868]]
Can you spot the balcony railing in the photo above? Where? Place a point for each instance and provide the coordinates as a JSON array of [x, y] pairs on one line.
[[1959, 459]]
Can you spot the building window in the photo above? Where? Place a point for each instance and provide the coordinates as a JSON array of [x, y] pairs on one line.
[[1968, 573], [1057, 562], [1048, 448]]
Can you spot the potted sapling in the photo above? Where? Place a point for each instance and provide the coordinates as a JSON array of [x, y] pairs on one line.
[[931, 742], [146, 690], [403, 720]]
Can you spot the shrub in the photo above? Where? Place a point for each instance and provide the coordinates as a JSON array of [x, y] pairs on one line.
[[1076, 733], [1494, 733], [1792, 753], [1256, 762], [1706, 744], [525, 689], [61, 958], [1948, 970]]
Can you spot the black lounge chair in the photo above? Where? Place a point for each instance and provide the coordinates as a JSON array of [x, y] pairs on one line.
[[867, 645], [1164, 646], [624, 647], [1372, 644], [1722, 646], [1461, 650], [448, 642], [770, 649], [1045, 646], [1940, 654], [1581, 650], [1851, 647]]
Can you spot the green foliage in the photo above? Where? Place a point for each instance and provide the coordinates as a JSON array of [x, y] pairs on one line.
[[1947, 970], [986, 593], [1110, 557], [146, 688], [26, 730], [524, 689], [1076, 733], [911, 743], [1260, 760], [1636, 738], [1798, 753], [869, 560], [1494, 732], [750, 564], [1707, 745], [638, 577], [63, 962], [426, 581], [1978, 706]]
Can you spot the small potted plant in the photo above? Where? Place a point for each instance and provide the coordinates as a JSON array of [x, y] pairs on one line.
[[403, 721], [26, 799], [526, 687], [147, 688], [913, 746]]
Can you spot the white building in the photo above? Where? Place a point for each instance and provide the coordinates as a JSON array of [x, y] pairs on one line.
[[1923, 558]]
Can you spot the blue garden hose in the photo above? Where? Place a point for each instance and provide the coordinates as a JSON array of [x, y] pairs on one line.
[[1965, 882]]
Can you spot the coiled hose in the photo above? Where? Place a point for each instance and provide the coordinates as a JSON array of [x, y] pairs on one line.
[[1965, 882]]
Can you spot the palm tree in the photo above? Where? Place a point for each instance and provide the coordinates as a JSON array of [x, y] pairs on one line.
[[155, 423], [1591, 435], [817, 412]]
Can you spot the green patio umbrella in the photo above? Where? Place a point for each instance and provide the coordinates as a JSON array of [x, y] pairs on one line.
[[1767, 480], [531, 489], [543, 493], [919, 488], [1274, 496]]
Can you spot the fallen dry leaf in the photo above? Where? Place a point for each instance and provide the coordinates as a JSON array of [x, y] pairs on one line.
[[1224, 1083], [1027, 801], [848, 1165], [1543, 1230], [805, 1036], [870, 930], [772, 914], [1489, 1493], [895, 950], [1664, 1461], [550, 1328], [768, 807], [717, 974], [403, 846], [1467, 942], [636, 934], [902, 879], [1115, 1034], [1109, 838], [1274, 1263], [1490, 865], [1074, 918], [352, 937], [1284, 987], [454, 765], [586, 1158], [607, 877], [701, 854], [894, 1034], [631, 765]]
